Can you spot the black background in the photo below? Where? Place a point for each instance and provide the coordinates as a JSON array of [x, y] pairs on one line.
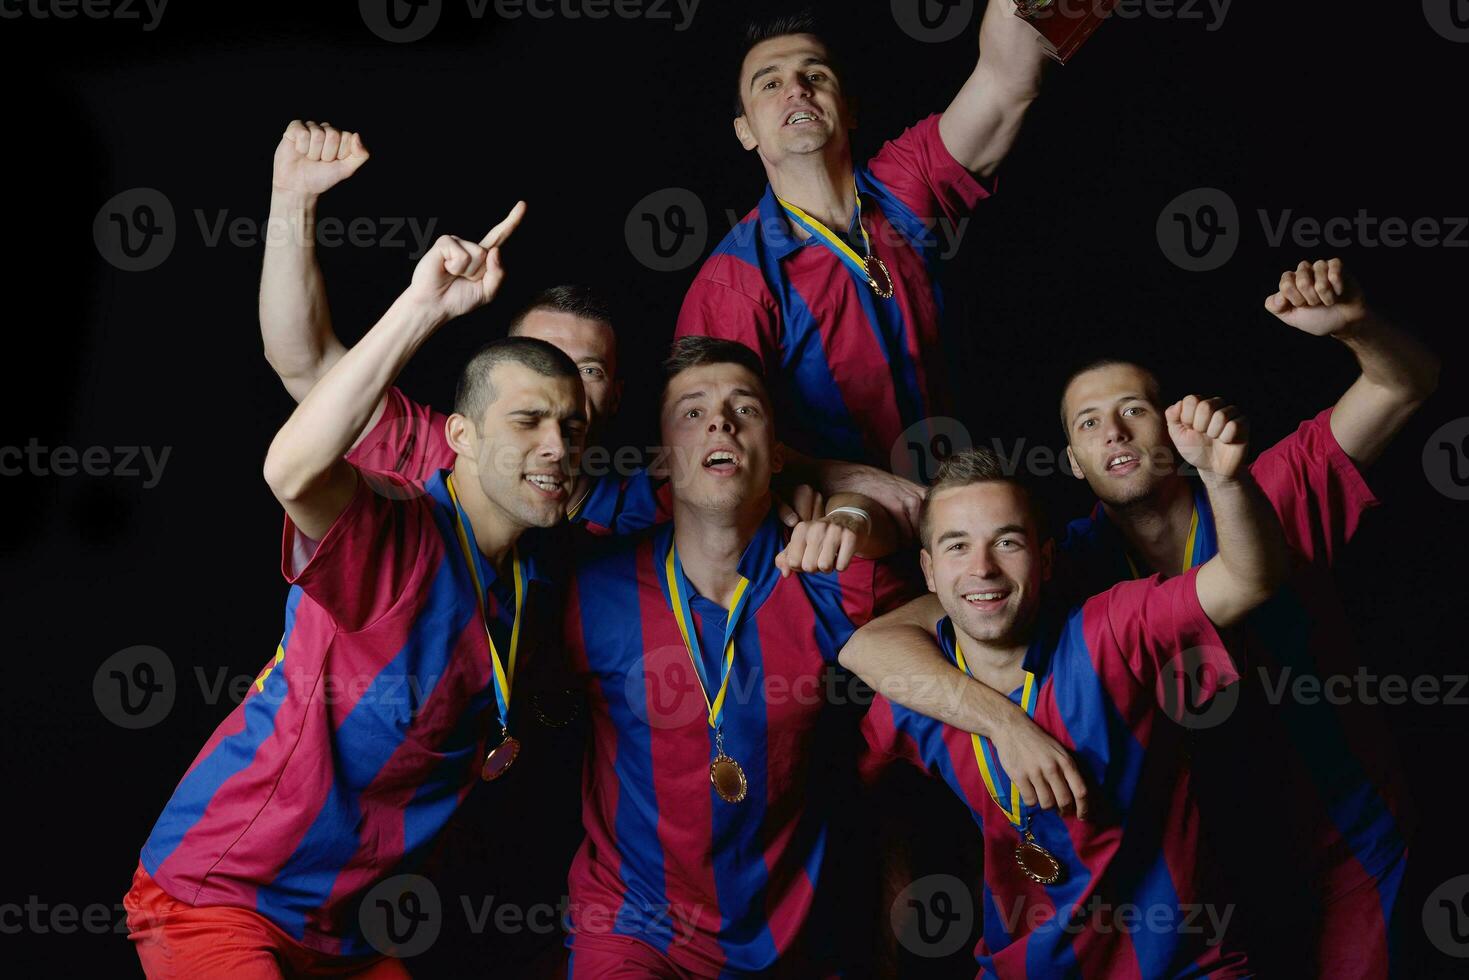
[[1321, 108]]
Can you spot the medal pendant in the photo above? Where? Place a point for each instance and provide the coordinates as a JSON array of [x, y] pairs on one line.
[[728, 779], [882, 286], [1037, 863], [501, 757]]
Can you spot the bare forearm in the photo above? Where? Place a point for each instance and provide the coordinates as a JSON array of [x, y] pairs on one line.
[[340, 405], [981, 125], [1398, 374], [1252, 561], [295, 318], [1010, 50]]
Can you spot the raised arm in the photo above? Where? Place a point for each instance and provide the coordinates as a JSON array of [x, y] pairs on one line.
[[898, 657], [304, 467], [981, 124], [1398, 372], [295, 320], [1252, 561]]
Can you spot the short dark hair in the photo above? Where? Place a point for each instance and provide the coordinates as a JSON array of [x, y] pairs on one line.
[[475, 392], [576, 299], [692, 352], [971, 466], [760, 30], [1154, 390]]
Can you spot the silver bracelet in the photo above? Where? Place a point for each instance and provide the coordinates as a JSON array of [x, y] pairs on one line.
[[856, 511]]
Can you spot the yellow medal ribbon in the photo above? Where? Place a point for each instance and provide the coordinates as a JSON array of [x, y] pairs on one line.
[[1188, 547], [504, 678], [678, 592], [988, 767], [837, 244]]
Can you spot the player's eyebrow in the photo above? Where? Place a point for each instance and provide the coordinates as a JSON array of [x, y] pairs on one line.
[[810, 60], [688, 396], [951, 534], [1092, 408]]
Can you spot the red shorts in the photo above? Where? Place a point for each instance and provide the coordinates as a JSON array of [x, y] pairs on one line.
[[178, 942]]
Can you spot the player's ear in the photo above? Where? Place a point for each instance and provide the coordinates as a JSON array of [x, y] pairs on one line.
[[744, 134], [1075, 466], [778, 458], [925, 561], [459, 432]]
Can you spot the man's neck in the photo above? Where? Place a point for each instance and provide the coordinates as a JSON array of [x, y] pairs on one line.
[[711, 543], [822, 187], [1156, 527], [998, 664], [495, 533]]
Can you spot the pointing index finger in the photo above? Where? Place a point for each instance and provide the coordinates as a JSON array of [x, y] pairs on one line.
[[506, 228]]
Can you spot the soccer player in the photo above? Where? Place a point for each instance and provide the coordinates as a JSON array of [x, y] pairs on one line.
[[1125, 893], [714, 752], [407, 437], [831, 277], [1342, 806], [392, 691]]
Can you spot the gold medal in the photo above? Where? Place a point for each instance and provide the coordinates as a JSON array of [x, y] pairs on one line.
[[728, 779], [1038, 864], [873, 264], [501, 758]]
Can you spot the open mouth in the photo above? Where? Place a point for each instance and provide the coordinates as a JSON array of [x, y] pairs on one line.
[[1123, 463], [722, 462], [986, 599], [800, 116], [549, 485]]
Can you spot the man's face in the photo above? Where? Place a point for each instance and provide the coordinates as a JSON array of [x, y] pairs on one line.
[[589, 343], [1118, 438], [720, 437], [985, 561], [793, 100], [525, 444]]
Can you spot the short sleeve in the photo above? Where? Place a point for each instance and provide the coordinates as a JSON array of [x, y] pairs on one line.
[[379, 549], [408, 440], [715, 308], [884, 742], [918, 169], [1316, 490], [1159, 629]]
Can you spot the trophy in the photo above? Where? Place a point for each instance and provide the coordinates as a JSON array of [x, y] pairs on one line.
[[1064, 25]]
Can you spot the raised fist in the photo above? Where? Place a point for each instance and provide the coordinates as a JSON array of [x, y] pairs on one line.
[[1209, 434], [1318, 298], [314, 157]]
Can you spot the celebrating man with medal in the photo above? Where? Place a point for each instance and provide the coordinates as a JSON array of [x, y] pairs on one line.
[[1065, 896], [376, 717], [708, 797], [831, 278]]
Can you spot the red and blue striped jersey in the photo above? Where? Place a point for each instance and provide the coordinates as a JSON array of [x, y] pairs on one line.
[[715, 886], [1134, 900], [409, 439], [1338, 783], [849, 372], [363, 733]]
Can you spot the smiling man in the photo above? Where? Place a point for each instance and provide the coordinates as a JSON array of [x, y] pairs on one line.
[[1126, 892], [831, 279], [710, 784]]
